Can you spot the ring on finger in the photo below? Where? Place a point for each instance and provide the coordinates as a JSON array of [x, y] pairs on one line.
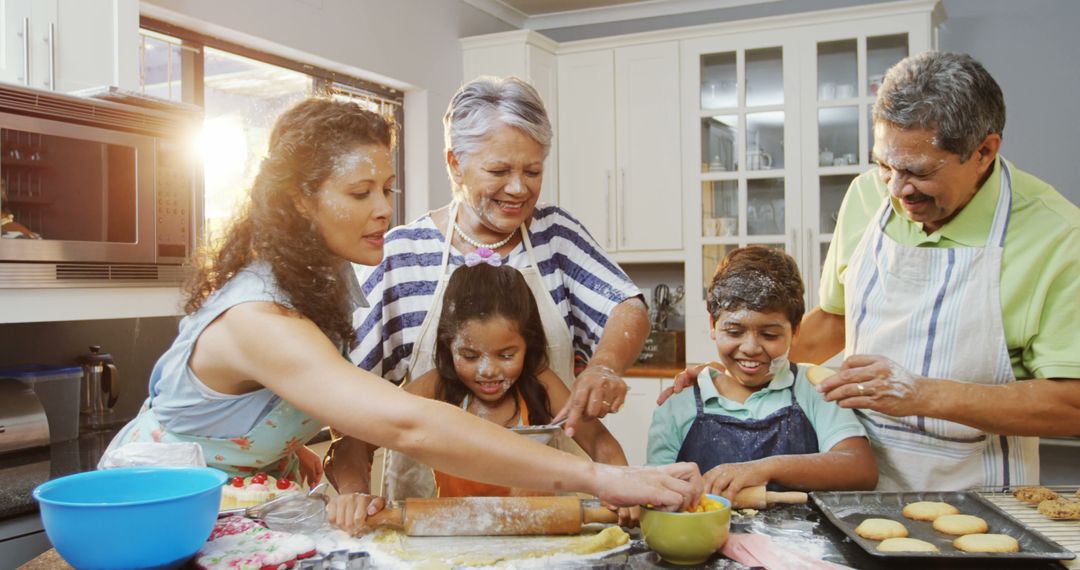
[[862, 389], [606, 403]]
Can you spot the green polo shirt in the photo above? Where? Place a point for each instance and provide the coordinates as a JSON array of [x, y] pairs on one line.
[[671, 421], [1040, 267]]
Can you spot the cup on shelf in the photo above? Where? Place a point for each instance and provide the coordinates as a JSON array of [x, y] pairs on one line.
[[827, 90], [758, 159], [849, 158], [839, 161], [845, 91], [728, 226], [825, 158], [710, 227]]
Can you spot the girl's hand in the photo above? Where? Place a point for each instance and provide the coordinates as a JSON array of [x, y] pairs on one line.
[[311, 467], [349, 512], [668, 487], [728, 479]]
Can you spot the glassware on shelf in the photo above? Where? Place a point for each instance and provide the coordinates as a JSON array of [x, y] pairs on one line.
[[882, 52], [718, 134], [837, 69], [765, 207], [719, 83], [765, 140], [765, 76], [838, 135]]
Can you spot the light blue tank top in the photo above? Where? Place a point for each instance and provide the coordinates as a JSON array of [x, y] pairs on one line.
[[182, 402]]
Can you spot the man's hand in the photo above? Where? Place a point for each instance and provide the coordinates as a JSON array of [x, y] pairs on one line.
[[876, 383], [597, 391], [684, 380]]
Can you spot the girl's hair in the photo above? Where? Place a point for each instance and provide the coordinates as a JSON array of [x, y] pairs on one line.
[[479, 293], [304, 144], [757, 278]]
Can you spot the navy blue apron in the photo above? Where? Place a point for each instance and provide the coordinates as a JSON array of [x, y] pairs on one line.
[[716, 439]]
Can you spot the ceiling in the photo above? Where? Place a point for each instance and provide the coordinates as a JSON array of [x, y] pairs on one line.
[[547, 14]]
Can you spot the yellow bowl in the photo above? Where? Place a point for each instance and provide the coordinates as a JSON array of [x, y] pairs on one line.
[[686, 538]]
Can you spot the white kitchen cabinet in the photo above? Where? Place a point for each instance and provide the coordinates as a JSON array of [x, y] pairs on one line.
[[775, 126], [620, 147], [68, 45], [630, 425], [529, 56]]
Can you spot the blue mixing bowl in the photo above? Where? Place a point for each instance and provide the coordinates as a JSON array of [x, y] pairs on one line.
[[131, 517]]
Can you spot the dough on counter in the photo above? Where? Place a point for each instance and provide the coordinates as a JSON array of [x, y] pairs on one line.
[[1034, 495], [880, 529], [987, 543], [928, 510], [906, 545], [960, 524], [530, 551], [1060, 509]]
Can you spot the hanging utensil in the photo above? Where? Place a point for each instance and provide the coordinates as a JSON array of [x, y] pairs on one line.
[[662, 304]]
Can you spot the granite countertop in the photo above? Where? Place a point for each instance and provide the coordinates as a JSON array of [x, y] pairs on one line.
[[21, 471]]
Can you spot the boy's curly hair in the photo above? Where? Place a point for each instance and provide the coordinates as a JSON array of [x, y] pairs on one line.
[[757, 278]]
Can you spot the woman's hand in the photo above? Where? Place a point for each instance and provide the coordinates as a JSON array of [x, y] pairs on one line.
[[597, 391], [349, 512], [683, 380], [728, 479], [668, 487], [311, 467], [876, 383]]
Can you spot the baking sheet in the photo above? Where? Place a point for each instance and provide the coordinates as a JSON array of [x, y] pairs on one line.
[[847, 509]]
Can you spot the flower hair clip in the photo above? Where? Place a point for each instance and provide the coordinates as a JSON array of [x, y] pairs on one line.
[[483, 255]]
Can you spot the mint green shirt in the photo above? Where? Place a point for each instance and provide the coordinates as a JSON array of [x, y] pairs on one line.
[[671, 421], [1040, 267]]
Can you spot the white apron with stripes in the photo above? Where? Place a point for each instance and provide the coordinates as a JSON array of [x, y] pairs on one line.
[[937, 313], [405, 477]]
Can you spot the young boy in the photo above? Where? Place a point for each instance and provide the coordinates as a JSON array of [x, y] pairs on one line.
[[754, 419]]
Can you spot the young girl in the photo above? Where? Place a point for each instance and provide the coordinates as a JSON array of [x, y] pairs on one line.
[[490, 360], [754, 419]]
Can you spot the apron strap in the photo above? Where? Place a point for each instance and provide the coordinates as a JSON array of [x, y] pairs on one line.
[[697, 400], [1003, 211]]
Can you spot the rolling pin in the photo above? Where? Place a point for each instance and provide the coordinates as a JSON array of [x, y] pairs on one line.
[[492, 516], [759, 498]]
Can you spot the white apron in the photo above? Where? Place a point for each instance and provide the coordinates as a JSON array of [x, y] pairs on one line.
[[404, 477], [937, 313]]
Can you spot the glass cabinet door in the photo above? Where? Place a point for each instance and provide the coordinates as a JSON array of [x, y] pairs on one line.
[[849, 72], [744, 193]]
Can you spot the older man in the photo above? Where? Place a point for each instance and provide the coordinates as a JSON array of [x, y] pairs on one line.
[[953, 285]]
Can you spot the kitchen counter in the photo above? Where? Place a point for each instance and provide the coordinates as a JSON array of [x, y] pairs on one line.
[[21, 471], [664, 370], [801, 527]]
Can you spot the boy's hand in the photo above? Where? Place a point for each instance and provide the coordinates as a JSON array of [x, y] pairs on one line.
[[728, 479]]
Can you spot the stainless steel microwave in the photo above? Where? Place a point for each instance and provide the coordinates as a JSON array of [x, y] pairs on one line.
[[97, 191]]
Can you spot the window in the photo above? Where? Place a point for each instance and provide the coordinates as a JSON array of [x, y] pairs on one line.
[[242, 92]]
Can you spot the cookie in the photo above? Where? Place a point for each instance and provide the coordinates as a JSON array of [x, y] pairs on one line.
[[928, 510], [987, 543], [1060, 509], [906, 545], [1034, 495], [960, 524], [880, 529], [817, 374]]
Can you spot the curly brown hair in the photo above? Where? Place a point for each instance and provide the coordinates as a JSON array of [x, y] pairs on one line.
[[480, 293], [304, 143], [757, 278]]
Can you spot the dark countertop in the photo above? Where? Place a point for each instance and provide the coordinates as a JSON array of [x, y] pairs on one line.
[[21, 471]]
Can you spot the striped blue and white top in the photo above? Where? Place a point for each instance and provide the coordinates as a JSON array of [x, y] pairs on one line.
[[583, 281]]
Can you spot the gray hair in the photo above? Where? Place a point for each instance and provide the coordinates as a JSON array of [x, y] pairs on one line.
[[948, 93], [487, 102]]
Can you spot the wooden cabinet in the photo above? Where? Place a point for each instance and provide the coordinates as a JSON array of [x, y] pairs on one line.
[[619, 153], [68, 45], [529, 56], [630, 425]]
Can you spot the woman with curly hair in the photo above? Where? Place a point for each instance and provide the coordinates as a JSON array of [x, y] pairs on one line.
[[259, 364]]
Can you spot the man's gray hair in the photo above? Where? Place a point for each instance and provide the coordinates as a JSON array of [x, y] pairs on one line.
[[487, 102], [948, 93]]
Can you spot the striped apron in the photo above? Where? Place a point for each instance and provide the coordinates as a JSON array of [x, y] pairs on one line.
[[937, 313]]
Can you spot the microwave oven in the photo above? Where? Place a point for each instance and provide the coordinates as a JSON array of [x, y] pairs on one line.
[[97, 191]]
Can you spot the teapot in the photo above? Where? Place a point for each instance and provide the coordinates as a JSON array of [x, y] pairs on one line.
[[100, 387], [758, 159]]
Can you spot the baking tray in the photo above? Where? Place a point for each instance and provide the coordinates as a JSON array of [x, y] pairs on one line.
[[847, 509]]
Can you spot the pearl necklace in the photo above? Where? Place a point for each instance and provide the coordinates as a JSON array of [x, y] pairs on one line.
[[476, 243]]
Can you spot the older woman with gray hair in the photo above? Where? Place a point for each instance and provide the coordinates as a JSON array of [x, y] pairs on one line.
[[497, 136]]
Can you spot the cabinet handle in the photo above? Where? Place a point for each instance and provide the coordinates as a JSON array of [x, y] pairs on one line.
[[26, 51], [622, 207], [52, 55], [607, 209]]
